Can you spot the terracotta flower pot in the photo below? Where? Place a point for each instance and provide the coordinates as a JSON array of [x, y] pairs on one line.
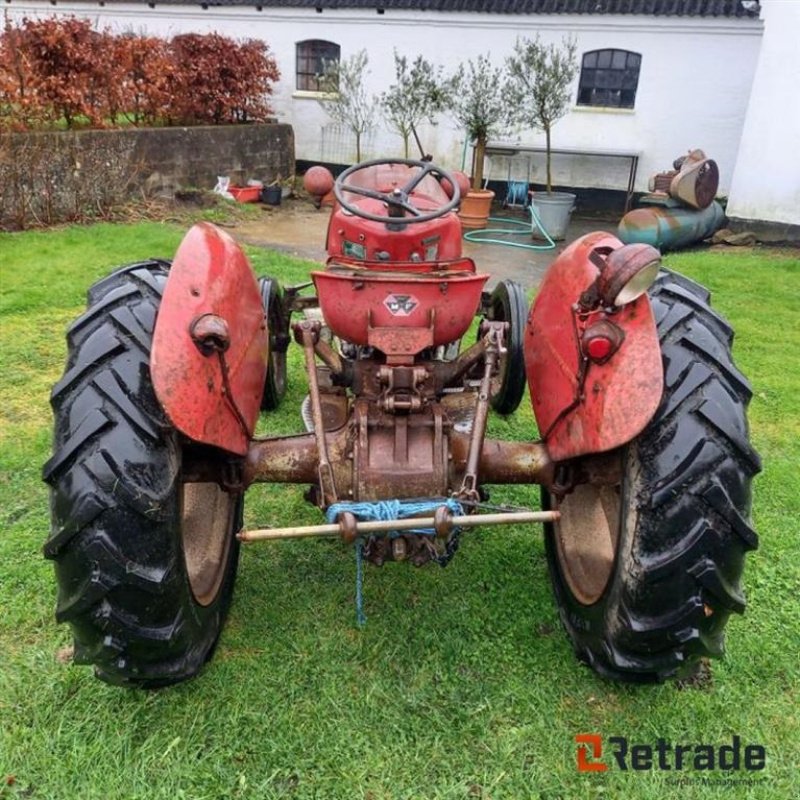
[[475, 206]]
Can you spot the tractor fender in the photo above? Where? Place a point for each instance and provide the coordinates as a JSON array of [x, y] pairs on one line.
[[210, 389], [581, 406]]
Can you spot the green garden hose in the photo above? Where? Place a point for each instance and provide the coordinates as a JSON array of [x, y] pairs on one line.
[[486, 235]]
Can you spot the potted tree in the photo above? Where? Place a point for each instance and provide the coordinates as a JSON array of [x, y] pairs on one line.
[[478, 102], [539, 93], [419, 93]]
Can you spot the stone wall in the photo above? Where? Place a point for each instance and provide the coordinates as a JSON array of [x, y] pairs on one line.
[[56, 176]]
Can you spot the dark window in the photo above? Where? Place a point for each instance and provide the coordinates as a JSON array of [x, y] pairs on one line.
[[609, 78], [312, 57]]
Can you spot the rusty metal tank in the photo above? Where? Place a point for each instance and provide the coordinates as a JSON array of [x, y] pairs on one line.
[[670, 228]]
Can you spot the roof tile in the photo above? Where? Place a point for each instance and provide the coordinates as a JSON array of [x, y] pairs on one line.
[[659, 8]]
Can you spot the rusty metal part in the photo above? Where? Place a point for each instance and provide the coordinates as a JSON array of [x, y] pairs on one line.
[[387, 526], [413, 547], [210, 333], [364, 375], [293, 459], [449, 372], [295, 302], [585, 538], [399, 548], [397, 455], [442, 522], [349, 526], [330, 357], [200, 466], [335, 408], [693, 182], [402, 388], [378, 550], [285, 459], [503, 461], [696, 181], [563, 479], [602, 469], [307, 332], [599, 470], [460, 408], [661, 181], [492, 332], [208, 516]]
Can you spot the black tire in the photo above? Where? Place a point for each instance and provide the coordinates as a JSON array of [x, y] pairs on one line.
[[276, 381], [647, 572], [508, 303], [145, 564]]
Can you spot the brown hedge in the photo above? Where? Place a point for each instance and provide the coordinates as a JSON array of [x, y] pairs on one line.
[[63, 72]]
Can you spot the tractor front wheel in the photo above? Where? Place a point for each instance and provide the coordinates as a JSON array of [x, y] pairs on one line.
[[145, 563], [646, 560], [508, 303], [278, 326]]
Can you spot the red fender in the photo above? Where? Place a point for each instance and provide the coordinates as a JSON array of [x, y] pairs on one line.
[[211, 275], [610, 403]]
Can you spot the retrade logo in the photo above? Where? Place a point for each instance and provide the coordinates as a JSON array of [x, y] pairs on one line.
[[665, 756]]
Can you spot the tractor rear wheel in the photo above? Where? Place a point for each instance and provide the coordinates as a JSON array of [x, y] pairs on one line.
[[508, 303], [278, 326], [145, 563], [646, 566]]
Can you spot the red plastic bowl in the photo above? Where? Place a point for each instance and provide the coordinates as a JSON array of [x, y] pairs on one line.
[[245, 194]]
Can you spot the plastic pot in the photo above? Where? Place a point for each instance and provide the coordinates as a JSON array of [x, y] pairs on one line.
[[271, 195]]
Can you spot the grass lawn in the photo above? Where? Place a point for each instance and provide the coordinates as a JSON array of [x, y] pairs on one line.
[[461, 685]]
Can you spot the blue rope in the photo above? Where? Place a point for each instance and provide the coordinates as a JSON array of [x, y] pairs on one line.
[[361, 617], [385, 510]]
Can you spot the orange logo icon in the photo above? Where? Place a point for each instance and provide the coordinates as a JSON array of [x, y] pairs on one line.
[[596, 741]]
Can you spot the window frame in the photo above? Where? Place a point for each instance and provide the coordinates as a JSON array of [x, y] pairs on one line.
[[308, 65], [606, 77]]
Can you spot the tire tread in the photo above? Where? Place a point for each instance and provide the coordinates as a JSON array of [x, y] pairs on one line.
[[673, 592], [114, 498]]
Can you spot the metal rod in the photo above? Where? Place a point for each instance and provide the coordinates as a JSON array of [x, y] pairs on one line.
[[307, 333], [331, 358], [469, 485], [410, 523]]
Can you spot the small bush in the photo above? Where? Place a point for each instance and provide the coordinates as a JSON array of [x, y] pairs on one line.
[[62, 72]]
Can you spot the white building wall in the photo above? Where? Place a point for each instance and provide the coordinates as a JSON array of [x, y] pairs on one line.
[[766, 182], [693, 88]]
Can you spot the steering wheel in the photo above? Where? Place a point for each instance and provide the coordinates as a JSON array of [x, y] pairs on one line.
[[398, 200]]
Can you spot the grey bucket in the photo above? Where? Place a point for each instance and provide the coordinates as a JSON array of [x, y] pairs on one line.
[[554, 211]]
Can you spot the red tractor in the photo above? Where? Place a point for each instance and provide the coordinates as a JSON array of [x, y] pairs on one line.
[[644, 461]]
